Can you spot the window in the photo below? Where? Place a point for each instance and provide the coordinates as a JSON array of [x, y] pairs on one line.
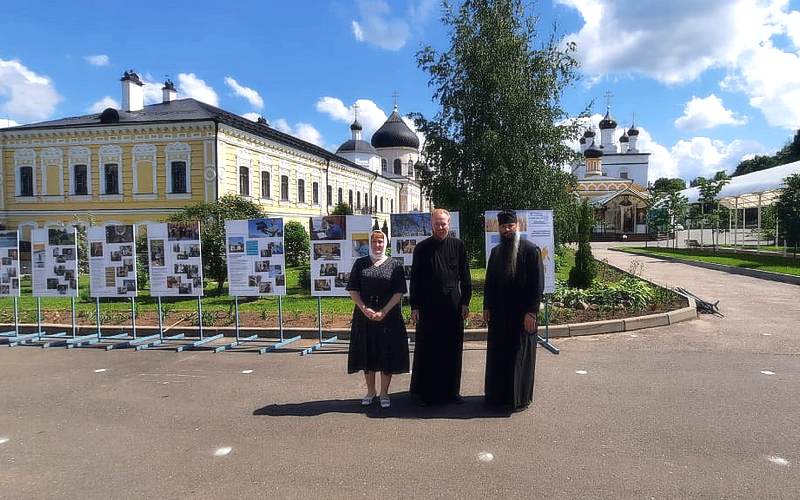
[[623, 173], [26, 181], [410, 168], [315, 193], [111, 171], [81, 179], [244, 181], [329, 196], [381, 203], [178, 173], [358, 199], [301, 191], [285, 188], [383, 164], [391, 205], [266, 188], [375, 205], [398, 167], [350, 198], [340, 195]]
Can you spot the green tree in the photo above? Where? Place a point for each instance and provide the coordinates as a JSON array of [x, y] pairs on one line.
[[788, 154], [342, 208], [212, 217], [297, 244], [499, 138], [667, 185], [709, 204], [582, 274], [788, 210]]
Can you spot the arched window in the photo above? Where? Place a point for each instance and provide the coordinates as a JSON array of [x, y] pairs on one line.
[[383, 164], [339, 193], [375, 206], [329, 195], [398, 167], [285, 188], [80, 175], [315, 193], [178, 173], [391, 205], [350, 198], [244, 181], [381, 203], [410, 165], [266, 187], [26, 181], [301, 191], [358, 199]]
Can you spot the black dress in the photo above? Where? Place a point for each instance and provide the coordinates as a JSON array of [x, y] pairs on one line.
[[377, 346]]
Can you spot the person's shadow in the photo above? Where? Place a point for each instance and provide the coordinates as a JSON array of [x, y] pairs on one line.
[[403, 406]]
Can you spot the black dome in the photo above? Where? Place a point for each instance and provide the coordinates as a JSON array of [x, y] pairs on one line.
[[623, 138], [355, 126], [592, 152], [583, 140], [109, 115], [589, 133], [633, 131], [356, 146], [395, 134], [607, 122]]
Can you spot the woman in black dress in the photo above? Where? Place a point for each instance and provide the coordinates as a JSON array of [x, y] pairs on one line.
[[378, 339]]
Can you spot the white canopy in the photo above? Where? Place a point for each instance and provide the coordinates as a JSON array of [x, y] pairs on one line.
[[747, 189]]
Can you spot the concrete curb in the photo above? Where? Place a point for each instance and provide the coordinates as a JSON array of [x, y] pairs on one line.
[[753, 273]]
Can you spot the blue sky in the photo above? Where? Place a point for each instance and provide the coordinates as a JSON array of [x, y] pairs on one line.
[[711, 82]]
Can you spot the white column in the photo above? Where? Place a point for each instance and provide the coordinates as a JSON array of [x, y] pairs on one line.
[[758, 241], [744, 224], [736, 234]]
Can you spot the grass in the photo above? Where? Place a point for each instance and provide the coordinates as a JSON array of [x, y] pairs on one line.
[[771, 263], [765, 248]]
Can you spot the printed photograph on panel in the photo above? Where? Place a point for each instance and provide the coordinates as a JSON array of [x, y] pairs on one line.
[[331, 227], [405, 225], [265, 228]]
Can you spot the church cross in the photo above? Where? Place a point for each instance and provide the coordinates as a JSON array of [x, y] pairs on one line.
[[608, 95]]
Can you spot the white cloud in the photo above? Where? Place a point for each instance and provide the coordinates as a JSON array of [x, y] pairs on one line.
[[105, 102], [25, 95], [253, 117], [98, 60], [706, 112], [7, 123], [152, 89], [304, 131], [370, 116], [377, 26], [251, 95], [192, 86]]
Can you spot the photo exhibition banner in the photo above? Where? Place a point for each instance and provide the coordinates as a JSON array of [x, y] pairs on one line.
[[176, 268], [112, 260], [256, 261], [535, 226], [54, 262], [409, 229], [336, 242], [9, 264]]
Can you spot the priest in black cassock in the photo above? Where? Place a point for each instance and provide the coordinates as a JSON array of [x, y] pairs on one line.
[[440, 292], [512, 294]]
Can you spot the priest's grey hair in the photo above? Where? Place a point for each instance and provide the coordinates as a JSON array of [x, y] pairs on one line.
[[511, 266]]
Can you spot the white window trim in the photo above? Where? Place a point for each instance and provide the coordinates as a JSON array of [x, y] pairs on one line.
[[50, 157], [146, 153], [25, 158], [179, 151], [80, 155], [244, 159], [110, 153]]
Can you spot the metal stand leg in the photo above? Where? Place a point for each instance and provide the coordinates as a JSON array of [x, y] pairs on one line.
[[200, 316], [97, 316], [160, 321], [16, 315], [280, 316], [236, 315], [133, 316], [545, 342]]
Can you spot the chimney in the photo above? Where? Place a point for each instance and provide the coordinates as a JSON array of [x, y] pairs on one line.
[[168, 91], [132, 92]]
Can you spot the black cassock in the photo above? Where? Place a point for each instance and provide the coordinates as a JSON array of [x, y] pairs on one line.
[[440, 285], [511, 352]]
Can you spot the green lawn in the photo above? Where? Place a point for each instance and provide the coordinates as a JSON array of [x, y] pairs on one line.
[[771, 263], [296, 302], [766, 248]]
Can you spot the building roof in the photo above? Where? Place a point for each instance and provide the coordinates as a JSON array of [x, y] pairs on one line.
[[185, 110], [356, 146], [394, 133], [766, 184], [604, 199]]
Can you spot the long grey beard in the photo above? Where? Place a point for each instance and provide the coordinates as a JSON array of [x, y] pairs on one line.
[[511, 256]]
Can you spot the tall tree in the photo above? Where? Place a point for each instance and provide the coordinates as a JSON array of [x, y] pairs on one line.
[[667, 185], [788, 154], [788, 209], [499, 139]]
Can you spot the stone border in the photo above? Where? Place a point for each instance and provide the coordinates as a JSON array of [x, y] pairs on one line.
[[744, 271]]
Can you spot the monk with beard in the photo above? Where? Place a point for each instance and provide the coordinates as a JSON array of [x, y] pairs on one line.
[[513, 292]]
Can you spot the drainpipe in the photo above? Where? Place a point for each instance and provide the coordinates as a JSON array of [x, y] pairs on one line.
[[327, 183], [216, 156]]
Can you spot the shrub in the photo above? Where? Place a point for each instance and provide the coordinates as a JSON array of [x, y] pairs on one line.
[[304, 277], [297, 242], [582, 274]]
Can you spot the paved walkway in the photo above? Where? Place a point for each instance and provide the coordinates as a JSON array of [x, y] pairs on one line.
[[703, 409]]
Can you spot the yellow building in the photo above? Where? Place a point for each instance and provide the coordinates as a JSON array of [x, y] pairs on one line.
[[140, 164]]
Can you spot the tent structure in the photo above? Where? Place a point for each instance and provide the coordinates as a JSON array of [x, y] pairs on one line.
[[754, 190]]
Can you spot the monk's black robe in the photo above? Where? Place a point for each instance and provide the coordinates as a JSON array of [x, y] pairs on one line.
[[511, 352], [440, 285]]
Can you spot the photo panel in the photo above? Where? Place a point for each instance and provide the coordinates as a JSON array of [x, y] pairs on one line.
[[111, 260], [9, 263], [176, 265], [54, 259], [256, 262], [408, 229], [337, 241]]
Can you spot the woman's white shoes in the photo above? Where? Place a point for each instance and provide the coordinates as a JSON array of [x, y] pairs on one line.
[[385, 402], [367, 400]]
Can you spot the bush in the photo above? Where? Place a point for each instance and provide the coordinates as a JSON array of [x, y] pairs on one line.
[[582, 275], [342, 209], [297, 242], [304, 277]]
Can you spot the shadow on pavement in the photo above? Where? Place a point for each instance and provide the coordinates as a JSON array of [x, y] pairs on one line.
[[403, 406]]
